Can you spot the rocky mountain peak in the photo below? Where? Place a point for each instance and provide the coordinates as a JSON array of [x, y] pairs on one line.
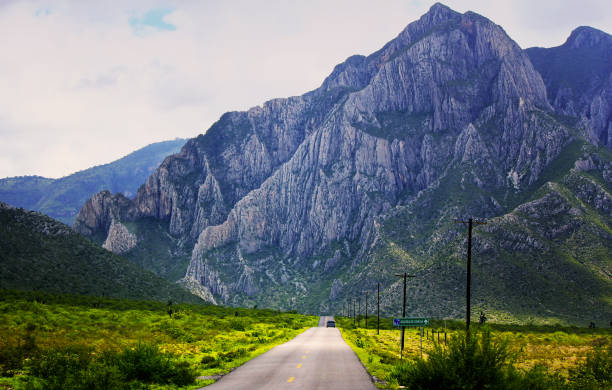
[[585, 36], [439, 13], [578, 78], [301, 186]]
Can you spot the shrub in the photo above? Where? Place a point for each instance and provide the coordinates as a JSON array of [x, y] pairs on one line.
[[12, 356], [207, 359], [58, 365], [72, 368], [595, 372], [210, 361], [469, 362], [11, 359], [237, 324], [387, 358], [146, 363], [234, 354], [76, 368]]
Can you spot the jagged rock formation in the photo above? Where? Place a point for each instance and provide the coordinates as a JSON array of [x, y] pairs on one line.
[[295, 203], [578, 75], [62, 198], [119, 239]]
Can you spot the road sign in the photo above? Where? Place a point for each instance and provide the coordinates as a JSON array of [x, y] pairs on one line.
[[406, 321]]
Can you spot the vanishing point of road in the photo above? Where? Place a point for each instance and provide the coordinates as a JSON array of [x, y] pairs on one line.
[[316, 359]]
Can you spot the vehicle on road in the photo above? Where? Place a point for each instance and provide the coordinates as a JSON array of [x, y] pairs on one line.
[[331, 324]]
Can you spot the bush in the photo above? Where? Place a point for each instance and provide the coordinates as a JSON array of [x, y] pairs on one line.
[[76, 368], [60, 365], [469, 362], [73, 368], [595, 372], [12, 356], [237, 324], [146, 363], [234, 354]]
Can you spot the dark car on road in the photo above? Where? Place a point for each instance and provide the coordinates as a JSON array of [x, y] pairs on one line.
[[331, 324]]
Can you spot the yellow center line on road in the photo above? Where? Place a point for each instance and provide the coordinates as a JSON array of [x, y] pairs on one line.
[[299, 365], [291, 379]]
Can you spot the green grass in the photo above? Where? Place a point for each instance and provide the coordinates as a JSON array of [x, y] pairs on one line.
[[557, 351], [148, 344]]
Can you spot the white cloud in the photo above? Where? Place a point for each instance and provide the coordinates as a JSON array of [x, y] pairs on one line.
[[82, 86]]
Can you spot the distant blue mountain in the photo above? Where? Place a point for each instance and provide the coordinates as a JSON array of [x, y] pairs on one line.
[[62, 198]]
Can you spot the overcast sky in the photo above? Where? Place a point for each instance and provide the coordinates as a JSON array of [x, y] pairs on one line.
[[84, 83]]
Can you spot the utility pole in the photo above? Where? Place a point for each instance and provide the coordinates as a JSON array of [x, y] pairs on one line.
[[358, 311], [470, 223], [378, 308], [405, 275], [366, 309]]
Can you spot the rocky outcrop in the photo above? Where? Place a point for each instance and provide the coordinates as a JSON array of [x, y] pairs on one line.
[[448, 119], [578, 76], [119, 240], [443, 77], [98, 213]]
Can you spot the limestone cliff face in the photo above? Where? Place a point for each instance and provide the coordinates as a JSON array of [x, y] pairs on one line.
[[98, 213], [578, 76], [451, 88], [119, 239], [303, 185]]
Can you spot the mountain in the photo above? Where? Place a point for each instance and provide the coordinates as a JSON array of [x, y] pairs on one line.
[[62, 198], [308, 201], [40, 253], [578, 77]]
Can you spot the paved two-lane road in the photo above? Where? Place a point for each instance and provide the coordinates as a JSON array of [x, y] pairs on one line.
[[316, 359]]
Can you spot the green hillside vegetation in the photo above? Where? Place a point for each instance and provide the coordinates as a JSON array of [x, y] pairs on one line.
[[165, 256], [499, 356], [63, 198], [547, 259], [39, 253], [50, 341], [545, 256]]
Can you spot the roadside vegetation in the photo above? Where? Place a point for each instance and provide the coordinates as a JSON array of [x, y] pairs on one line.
[[50, 341], [494, 356]]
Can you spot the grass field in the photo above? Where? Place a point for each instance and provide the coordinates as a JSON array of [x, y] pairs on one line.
[[559, 350], [98, 335]]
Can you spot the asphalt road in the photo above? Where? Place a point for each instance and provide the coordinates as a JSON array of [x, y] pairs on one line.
[[316, 359]]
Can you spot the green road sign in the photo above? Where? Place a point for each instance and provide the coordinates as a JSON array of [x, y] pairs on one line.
[[406, 321]]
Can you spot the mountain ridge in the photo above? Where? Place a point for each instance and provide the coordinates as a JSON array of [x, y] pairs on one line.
[[41, 254], [287, 204], [62, 198]]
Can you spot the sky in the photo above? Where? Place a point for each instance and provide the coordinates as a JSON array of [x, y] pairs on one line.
[[85, 82]]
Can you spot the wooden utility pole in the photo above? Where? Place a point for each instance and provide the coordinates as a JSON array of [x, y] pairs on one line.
[[358, 311], [470, 222], [378, 308], [366, 309], [405, 275]]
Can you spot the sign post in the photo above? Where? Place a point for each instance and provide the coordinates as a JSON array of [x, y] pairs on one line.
[[407, 321], [421, 332]]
